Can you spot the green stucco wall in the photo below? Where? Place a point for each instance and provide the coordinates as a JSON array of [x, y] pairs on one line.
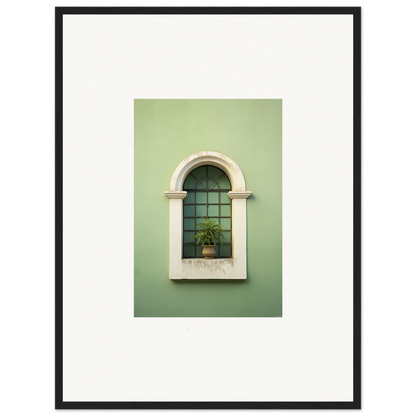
[[250, 133]]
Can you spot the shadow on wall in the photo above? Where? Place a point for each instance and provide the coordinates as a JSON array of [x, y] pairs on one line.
[[209, 281]]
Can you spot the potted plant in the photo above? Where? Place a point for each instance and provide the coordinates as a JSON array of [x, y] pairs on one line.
[[209, 233]]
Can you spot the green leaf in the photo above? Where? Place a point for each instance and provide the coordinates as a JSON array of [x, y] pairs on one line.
[[209, 232]]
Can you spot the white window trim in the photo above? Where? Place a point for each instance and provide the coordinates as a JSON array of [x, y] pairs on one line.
[[227, 268]]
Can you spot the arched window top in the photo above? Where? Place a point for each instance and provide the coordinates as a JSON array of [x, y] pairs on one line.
[[207, 178], [211, 158]]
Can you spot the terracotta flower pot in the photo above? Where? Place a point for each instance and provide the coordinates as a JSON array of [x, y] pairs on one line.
[[208, 251]]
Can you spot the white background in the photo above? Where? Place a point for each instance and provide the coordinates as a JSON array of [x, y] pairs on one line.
[[108, 354]]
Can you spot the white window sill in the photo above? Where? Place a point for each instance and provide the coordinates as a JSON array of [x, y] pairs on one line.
[[219, 269]]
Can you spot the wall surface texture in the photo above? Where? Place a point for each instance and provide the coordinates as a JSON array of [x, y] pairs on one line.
[[250, 133]]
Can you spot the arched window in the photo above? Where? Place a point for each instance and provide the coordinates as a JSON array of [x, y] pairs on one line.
[[211, 175], [207, 188]]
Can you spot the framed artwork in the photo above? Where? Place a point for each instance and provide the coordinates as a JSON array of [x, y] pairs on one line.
[[208, 207]]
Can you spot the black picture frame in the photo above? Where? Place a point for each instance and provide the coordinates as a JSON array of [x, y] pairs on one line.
[[60, 12]]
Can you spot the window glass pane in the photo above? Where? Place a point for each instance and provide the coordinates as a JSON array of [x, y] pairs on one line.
[[225, 251], [225, 211], [225, 223], [202, 184], [227, 237], [224, 182], [189, 210], [189, 250], [189, 183], [199, 251], [189, 224], [224, 198], [190, 198], [201, 210], [213, 197], [187, 237], [199, 173], [201, 197], [215, 219], [213, 210], [214, 172], [211, 184]]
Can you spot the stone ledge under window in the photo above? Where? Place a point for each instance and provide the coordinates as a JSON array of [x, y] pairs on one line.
[[209, 269]]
